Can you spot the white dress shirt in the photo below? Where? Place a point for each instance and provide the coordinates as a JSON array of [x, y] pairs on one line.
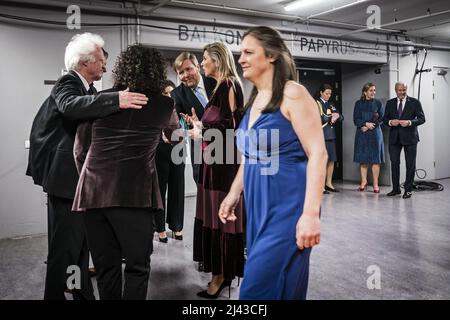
[[201, 87], [85, 83], [403, 108]]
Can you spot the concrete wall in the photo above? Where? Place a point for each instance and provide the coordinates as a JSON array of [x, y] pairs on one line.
[[431, 137]]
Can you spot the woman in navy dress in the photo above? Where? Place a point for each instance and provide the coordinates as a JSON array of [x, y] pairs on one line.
[[283, 172], [369, 147]]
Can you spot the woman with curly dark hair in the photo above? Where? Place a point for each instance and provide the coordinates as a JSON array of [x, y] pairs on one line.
[[118, 188]]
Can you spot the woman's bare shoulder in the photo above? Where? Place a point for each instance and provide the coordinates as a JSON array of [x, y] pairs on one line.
[[294, 90]]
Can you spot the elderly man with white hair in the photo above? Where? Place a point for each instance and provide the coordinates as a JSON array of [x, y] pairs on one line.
[[51, 163], [403, 115]]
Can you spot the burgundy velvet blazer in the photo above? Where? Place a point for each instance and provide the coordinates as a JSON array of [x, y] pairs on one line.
[[116, 157]]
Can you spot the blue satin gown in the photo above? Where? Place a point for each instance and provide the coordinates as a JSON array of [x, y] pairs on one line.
[[274, 191]]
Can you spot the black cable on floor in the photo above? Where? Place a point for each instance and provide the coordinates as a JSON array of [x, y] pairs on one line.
[[425, 185]]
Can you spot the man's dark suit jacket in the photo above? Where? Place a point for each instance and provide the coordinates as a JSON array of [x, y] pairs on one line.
[[412, 110], [50, 161], [185, 99]]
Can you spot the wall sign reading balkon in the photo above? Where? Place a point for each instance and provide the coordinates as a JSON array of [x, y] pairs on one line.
[[205, 35], [184, 36]]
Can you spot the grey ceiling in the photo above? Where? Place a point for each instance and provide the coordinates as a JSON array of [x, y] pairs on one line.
[[425, 19], [429, 20]]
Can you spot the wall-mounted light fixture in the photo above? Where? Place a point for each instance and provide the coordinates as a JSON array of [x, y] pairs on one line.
[[407, 47]]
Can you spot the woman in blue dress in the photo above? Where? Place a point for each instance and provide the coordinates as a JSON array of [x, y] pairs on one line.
[[282, 174], [369, 147]]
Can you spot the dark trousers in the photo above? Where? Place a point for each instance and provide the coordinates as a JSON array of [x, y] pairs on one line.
[[114, 233], [410, 157], [67, 247], [171, 179]]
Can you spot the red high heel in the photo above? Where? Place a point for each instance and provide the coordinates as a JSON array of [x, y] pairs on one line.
[[376, 190], [363, 188]]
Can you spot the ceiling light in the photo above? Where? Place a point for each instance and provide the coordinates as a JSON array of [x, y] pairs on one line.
[[298, 4]]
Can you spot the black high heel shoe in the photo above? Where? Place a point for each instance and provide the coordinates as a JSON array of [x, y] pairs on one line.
[[177, 236], [205, 294], [163, 240]]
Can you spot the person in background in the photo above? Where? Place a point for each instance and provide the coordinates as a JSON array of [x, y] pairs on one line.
[[171, 179], [168, 88], [194, 92], [369, 147], [403, 115], [330, 117], [51, 164]]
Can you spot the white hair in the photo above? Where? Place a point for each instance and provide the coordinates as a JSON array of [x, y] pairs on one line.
[[399, 83], [81, 48]]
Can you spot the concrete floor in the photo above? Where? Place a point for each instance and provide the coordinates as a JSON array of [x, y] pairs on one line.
[[405, 242]]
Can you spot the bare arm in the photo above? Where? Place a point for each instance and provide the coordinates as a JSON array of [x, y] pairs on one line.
[[300, 109], [228, 205], [232, 100]]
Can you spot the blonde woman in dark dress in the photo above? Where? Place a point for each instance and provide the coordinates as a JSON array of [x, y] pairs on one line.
[[220, 247]]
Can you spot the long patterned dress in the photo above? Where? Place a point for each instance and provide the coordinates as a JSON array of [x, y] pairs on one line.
[[219, 246]]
